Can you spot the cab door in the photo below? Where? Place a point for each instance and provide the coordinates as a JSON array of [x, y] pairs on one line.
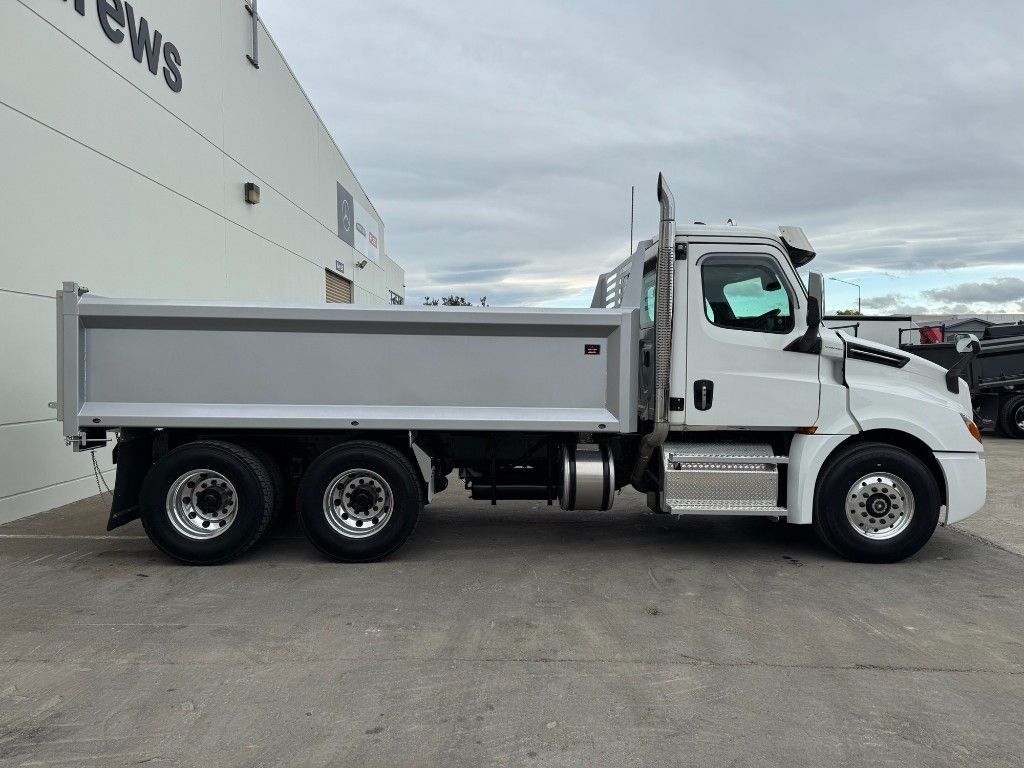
[[745, 307]]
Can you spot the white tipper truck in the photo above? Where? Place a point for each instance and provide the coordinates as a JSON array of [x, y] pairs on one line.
[[701, 376]]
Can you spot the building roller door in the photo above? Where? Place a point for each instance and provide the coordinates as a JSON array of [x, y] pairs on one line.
[[339, 290]]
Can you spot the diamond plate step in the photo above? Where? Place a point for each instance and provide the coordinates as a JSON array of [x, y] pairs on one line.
[[697, 509], [722, 478]]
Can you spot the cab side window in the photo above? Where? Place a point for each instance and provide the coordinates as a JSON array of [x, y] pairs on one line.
[[647, 313], [746, 295]]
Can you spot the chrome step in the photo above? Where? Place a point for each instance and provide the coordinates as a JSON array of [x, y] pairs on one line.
[[679, 458], [722, 479], [722, 453], [698, 509]]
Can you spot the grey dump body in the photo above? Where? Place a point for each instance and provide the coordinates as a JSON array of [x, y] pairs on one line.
[[144, 363]]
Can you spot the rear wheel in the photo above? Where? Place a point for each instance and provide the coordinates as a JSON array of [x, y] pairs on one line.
[[1011, 417], [206, 502], [876, 503], [359, 501], [277, 481]]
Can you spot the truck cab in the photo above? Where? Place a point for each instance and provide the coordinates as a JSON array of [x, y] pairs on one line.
[[765, 411]]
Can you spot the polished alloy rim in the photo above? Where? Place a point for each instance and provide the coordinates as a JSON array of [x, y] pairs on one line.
[[202, 504], [358, 503], [879, 506], [1018, 416]]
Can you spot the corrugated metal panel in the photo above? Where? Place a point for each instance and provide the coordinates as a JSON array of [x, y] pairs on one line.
[[339, 290]]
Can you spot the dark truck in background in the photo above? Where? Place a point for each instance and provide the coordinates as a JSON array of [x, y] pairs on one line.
[[995, 375]]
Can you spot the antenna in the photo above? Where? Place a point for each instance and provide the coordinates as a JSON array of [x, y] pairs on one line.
[[632, 209]]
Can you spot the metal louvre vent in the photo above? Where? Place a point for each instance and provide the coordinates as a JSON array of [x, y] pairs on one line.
[[856, 351], [339, 290]]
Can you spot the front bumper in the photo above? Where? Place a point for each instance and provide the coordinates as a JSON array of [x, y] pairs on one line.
[[965, 483]]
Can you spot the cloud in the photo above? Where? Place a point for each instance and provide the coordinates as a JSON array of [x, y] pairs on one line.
[[511, 134], [885, 302], [894, 304], [999, 290]]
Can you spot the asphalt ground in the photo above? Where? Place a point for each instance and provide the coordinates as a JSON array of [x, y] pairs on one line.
[[518, 635]]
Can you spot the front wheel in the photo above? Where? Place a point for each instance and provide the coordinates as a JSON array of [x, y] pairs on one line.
[[359, 501], [876, 503]]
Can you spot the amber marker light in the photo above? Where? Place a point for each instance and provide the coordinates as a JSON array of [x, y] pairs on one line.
[[972, 428]]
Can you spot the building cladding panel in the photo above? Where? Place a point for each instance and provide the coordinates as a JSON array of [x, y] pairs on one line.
[[125, 157]]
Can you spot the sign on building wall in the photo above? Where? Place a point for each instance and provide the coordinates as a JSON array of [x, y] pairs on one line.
[[119, 21], [356, 226]]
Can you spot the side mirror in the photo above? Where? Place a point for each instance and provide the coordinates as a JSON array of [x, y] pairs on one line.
[[968, 346], [813, 312], [810, 341], [968, 343], [816, 289]]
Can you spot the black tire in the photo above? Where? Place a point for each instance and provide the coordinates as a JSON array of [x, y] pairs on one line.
[[845, 473], [386, 473], [277, 482], [1011, 417], [244, 522]]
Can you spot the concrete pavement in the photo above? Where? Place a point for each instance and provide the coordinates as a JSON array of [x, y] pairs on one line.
[[516, 635], [1002, 520]]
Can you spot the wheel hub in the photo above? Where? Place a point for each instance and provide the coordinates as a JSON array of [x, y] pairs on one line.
[[879, 506], [362, 500], [209, 501], [358, 503], [202, 504]]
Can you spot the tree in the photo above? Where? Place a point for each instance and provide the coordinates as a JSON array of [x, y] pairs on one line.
[[853, 312], [452, 301]]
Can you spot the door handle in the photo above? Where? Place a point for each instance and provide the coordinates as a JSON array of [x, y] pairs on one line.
[[703, 394]]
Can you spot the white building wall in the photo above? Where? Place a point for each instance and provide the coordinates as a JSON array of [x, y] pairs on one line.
[[883, 330], [996, 318], [110, 178]]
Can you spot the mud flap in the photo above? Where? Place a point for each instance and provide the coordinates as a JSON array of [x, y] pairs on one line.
[[133, 456]]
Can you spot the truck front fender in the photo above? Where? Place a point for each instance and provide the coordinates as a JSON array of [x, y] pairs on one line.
[[807, 455]]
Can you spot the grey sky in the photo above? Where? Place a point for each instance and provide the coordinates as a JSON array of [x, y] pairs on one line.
[[499, 141]]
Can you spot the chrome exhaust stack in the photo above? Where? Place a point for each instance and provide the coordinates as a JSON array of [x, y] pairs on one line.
[[662, 329]]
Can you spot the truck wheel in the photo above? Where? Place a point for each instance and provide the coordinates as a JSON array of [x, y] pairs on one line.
[[1011, 417], [277, 481], [206, 502], [876, 503], [359, 501]]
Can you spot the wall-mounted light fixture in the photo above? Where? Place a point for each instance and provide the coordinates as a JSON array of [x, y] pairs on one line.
[[361, 264], [252, 193]]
